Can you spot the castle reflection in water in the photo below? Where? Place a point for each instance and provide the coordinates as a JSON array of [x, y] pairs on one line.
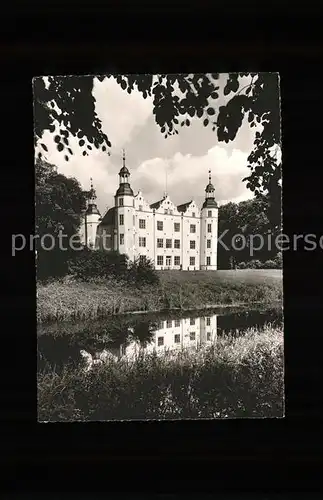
[[173, 334]]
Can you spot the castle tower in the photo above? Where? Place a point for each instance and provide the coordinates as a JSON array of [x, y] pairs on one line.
[[209, 229], [124, 204], [91, 220]]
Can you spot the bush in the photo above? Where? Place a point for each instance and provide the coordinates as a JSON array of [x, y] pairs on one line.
[[254, 264], [142, 272], [88, 264], [269, 264], [242, 265], [279, 260]]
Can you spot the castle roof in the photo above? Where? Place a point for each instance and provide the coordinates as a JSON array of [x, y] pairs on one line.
[[109, 217], [124, 189], [184, 206], [209, 188], [92, 209], [157, 204], [124, 171], [210, 203]]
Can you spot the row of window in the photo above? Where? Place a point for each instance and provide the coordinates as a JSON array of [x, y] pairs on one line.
[[177, 338], [160, 243], [160, 225], [177, 260], [177, 323]]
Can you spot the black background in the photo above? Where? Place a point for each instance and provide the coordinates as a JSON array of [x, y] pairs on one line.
[[254, 456]]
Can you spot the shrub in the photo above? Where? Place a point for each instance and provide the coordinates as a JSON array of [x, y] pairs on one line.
[[89, 264], [254, 264], [279, 260], [269, 264], [241, 265], [142, 271]]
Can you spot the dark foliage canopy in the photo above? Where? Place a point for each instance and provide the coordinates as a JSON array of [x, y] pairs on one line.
[[70, 102]]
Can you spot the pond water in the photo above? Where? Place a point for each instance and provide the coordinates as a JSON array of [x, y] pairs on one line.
[[124, 336]]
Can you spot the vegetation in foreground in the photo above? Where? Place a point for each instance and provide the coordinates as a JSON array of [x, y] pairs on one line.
[[71, 299], [236, 377]]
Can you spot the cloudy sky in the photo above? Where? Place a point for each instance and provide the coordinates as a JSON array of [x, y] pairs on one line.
[[128, 121]]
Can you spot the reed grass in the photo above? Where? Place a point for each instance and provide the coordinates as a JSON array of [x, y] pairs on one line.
[[69, 299]]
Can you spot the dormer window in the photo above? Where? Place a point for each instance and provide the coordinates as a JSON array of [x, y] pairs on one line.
[[140, 208], [193, 214]]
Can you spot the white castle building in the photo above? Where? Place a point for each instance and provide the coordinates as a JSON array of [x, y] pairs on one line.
[[173, 237]]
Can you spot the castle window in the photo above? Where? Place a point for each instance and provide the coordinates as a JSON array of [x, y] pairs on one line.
[[177, 338], [192, 321], [160, 225], [121, 219], [192, 244], [142, 224], [177, 227], [177, 243], [168, 243], [193, 214], [140, 208], [208, 261], [169, 323], [208, 321], [120, 202], [161, 325], [192, 261], [209, 228], [121, 239], [160, 243], [192, 335], [142, 241], [160, 341], [160, 261], [208, 243], [177, 323], [177, 260], [193, 228]]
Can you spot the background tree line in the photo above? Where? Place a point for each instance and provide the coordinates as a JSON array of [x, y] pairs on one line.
[[240, 222]]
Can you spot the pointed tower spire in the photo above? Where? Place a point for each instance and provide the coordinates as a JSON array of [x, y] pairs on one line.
[[91, 206], [92, 196], [124, 174], [209, 194]]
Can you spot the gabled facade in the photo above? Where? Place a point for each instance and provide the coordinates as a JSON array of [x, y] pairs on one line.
[[173, 237]]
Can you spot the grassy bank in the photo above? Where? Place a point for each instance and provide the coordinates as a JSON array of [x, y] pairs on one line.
[[70, 300], [237, 377]]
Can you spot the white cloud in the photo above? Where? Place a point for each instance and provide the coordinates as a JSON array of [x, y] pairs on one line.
[[121, 113], [187, 176]]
